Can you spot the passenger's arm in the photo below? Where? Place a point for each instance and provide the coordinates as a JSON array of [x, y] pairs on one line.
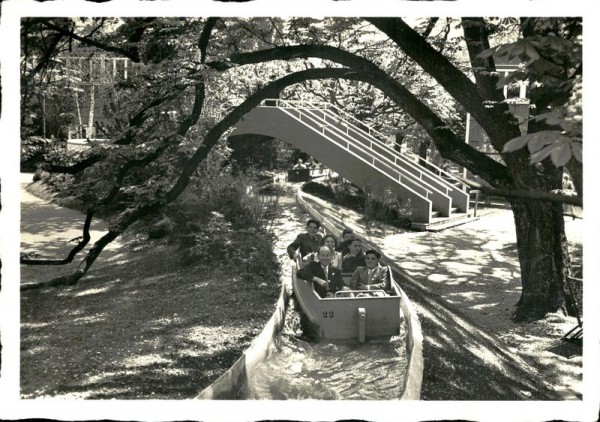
[[383, 280], [382, 285], [354, 282], [306, 274], [291, 249]]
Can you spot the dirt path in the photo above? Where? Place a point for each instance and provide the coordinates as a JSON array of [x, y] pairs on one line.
[[47, 231], [464, 282]]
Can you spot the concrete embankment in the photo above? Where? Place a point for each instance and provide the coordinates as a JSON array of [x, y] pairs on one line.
[[229, 384], [414, 336]]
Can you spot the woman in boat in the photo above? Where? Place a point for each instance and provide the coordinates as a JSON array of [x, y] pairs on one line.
[[336, 257], [354, 259], [372, 276]]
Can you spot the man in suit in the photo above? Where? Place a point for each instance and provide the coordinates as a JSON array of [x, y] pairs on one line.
[[326, 278], [354, 259], [306, 242], [372, 276]]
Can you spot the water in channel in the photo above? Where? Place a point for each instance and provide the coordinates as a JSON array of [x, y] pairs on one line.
[[298, 368]]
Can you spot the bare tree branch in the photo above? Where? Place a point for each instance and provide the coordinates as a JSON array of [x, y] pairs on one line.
[[82, 243], [521, 194], [132, 54]]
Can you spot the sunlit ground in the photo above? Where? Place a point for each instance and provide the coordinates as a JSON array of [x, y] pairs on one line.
[[475, 268], [139, 325]]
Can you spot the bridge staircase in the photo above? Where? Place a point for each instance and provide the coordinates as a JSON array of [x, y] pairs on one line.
[[436, 198]]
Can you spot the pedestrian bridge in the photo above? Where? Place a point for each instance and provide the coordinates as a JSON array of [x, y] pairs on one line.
[[360, 154]]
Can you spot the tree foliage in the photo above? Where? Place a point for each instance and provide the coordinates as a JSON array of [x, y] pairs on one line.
[[195, 78]]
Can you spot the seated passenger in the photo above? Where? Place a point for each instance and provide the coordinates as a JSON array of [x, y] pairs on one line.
[[372, 276], [354, 259], [299, 165], [325, 277], [336, 257], [347, 236], [307, 242]]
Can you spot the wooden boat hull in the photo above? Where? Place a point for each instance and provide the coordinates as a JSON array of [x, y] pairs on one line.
[[347, 318]]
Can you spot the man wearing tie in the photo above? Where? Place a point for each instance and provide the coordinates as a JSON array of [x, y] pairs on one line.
[[372, 276], [307, 242], [326, 278]]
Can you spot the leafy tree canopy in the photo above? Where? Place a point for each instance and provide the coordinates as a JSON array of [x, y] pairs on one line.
[[192, 79]]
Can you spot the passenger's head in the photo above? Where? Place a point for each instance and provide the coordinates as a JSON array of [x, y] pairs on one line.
[[347, 234], [355, 246], [324, 255], [312, 226], [330, 241], [372, 258]]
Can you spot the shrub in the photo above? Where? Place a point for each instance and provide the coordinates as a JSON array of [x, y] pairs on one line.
[[386, 208], [245, 253], [320, 190], [348, 195], [273, 189], [33, 152], [211, 243], [253, 257], [211, 221]]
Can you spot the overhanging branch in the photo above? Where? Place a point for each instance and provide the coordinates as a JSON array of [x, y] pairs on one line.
[[132, 54], [82, 243], [524, 194], [449, 145], [495, 120]]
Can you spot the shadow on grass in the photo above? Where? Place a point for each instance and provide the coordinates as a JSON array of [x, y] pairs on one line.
[[156, 380], [141, 327], [462, 362], [459, 276], [566, 349]]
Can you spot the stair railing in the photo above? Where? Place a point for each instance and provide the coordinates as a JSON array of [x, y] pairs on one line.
[[397, 157], [374, 153], [383, 138], [303, 116]]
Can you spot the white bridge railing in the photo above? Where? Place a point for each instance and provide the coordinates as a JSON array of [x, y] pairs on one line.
[[404, 168], [352, 121]]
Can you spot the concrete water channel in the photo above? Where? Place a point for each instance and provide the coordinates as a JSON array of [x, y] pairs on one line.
[[298, 368], [292, 366]]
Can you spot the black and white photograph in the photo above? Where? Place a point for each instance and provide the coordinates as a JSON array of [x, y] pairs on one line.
[[271, 212]]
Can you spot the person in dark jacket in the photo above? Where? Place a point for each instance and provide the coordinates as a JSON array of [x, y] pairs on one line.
[[343, 246], [326, 278], [354, 259], [306, 242]]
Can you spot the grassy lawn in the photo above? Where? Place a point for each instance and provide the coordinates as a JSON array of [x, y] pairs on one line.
[[140, 325]]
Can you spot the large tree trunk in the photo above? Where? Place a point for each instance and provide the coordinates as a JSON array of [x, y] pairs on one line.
[[543, 256]]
